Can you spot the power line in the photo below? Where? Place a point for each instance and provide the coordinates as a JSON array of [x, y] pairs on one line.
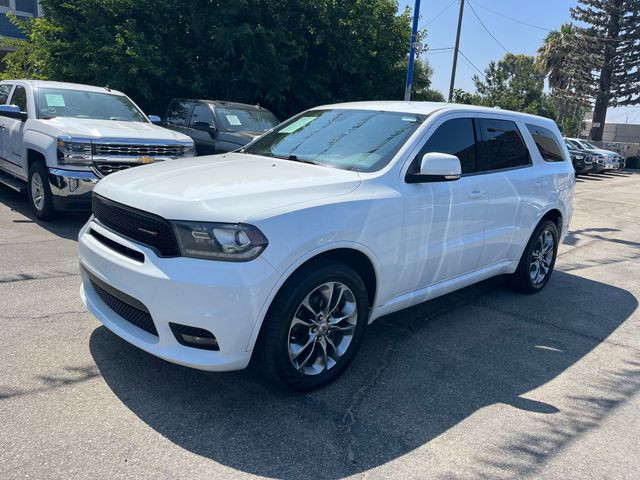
[[485, 27], [471, 64], [538, 26], [511, 18], [439, 14]]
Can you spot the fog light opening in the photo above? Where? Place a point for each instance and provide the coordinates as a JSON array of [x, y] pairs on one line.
[[194, 337]]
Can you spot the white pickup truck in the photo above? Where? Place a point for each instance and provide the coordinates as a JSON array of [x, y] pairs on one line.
[[58, 139]]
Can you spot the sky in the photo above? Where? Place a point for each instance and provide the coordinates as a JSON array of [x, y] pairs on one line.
[[441, 16]]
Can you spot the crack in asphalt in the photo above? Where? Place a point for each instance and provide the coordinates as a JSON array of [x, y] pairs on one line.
[[23, 277], [41, 317], [559, 327]]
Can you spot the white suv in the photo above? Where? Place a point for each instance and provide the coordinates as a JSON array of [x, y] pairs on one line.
[[285, 250]]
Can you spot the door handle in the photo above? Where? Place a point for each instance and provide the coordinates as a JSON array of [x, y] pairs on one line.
[[477, 194], [540, 184]]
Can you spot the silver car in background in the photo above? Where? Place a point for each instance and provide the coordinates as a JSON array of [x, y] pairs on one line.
[[604, 160]]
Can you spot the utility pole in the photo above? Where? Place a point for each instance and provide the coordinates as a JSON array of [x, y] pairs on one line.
[[455, 51], [412, 51]]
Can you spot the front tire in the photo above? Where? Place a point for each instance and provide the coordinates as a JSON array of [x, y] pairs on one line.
[[39, 191], [314, 326], [538, 259]]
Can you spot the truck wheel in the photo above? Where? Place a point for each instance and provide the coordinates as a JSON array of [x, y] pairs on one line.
[[538, 259], [39, 192], [314, 326]]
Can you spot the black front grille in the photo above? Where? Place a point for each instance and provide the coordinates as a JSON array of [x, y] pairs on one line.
[[139, 226], [139, 317]]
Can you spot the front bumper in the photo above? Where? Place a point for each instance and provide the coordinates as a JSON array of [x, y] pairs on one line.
[[71, 189], [225, 298]]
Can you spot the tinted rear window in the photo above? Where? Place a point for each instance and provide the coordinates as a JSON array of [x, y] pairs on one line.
[[502, 145], [546, 143]]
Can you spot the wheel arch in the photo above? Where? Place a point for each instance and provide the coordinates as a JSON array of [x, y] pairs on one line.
[[555, 215], [356, 256]]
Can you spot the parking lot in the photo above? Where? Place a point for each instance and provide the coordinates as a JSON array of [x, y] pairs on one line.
[[483, 382]]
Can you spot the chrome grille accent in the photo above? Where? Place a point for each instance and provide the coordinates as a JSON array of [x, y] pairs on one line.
[[133, 150], [104, 169]]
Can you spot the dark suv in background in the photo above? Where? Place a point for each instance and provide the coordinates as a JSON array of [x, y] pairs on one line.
[[217, 126]]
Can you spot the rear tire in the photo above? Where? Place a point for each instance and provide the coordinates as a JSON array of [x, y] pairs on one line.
[[538, 259], [39, 192], [314, 326]]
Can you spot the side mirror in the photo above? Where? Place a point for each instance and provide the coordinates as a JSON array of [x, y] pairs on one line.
[[13, 111], [205, 127], [155, 119], [437, 167]]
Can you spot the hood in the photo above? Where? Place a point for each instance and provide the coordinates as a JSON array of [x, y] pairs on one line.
[[239, 138], [225, 188], [96, 129]]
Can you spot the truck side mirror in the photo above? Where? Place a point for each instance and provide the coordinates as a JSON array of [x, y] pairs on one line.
[[155, 119], [205, 127], [13, 111]]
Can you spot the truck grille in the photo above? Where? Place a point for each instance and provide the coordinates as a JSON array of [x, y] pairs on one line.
[[126, 150], [102, 169], [146, 228]]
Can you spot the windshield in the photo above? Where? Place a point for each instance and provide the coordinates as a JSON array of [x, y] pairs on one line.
[[360, 140], [61, 102], [240, 119], [589, 145]]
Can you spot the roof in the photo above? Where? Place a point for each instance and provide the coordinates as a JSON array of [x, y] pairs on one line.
[[426, 108], [221, 103], [64, 85]]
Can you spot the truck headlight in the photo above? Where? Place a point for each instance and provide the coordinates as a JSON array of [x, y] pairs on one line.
[[188, 149], [74, 151], [231, 242]]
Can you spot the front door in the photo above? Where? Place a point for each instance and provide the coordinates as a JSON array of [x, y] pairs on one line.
[[444, 221], [13, 135], [202, 133]]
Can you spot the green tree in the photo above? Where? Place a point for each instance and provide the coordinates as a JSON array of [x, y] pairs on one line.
[[611, 49], [285, 54], [30, 58], [514, 83]]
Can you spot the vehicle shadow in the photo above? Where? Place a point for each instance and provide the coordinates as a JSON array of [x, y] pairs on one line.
[[420, 372], [66, 226]]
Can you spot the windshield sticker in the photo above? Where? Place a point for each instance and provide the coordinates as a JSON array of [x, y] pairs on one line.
[[54, 100], [409, 119], [233, 120], [298, 124]]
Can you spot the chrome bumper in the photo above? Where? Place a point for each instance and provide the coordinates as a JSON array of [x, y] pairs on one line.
[[71, 189]]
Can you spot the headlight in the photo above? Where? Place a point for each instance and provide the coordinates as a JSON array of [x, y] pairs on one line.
[[73, 151], [220, 241], [579, 157], [188, 149]]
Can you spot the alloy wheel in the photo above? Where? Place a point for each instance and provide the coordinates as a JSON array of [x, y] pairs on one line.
[[541, 258], [37, 191], [322, 328]]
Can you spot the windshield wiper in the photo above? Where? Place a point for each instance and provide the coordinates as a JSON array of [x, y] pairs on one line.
[[295, 158]]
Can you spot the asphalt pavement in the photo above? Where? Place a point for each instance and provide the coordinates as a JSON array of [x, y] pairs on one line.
[[481, 383]]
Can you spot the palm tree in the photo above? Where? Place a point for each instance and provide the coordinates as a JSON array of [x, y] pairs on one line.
[[562, 59]]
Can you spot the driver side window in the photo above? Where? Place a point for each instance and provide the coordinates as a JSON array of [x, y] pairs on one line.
[[19, 98], [455, 137]]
